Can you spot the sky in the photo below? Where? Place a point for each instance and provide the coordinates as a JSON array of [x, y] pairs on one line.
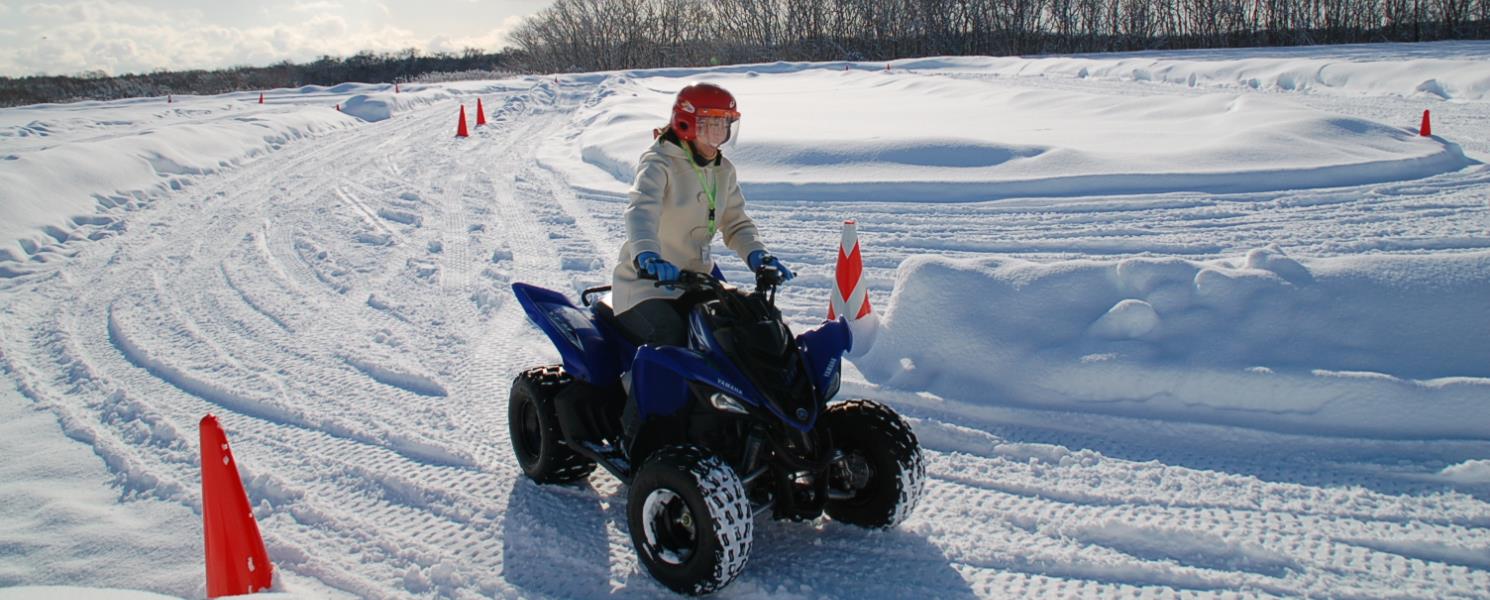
[[65, 37]]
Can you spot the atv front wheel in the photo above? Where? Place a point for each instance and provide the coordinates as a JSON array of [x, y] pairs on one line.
[[534, 428], [878, 472], [690, 520]]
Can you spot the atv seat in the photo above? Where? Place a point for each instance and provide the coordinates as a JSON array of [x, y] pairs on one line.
[[607, 314]]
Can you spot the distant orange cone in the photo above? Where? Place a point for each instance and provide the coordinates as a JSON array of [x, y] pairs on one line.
[[236, 560], [480, 114], [850, 295], [460, 130], [261, 97], [1426, 130], [338, 107], [170, 98], [395, 88]]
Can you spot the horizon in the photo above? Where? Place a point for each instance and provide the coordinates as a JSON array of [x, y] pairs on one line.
[[119, 37]]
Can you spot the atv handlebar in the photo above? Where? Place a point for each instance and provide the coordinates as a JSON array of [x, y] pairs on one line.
[[767, 279], [688, 280]]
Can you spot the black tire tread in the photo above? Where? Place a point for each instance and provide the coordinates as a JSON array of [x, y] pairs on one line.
[[724, 494], [556, 463], [893, 434]]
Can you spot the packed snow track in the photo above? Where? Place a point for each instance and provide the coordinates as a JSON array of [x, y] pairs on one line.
[[341, 302]]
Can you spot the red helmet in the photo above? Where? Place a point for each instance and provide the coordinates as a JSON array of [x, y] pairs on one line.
[[701, 100]]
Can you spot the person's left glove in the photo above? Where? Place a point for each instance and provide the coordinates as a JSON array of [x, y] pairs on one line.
[[760, 258]]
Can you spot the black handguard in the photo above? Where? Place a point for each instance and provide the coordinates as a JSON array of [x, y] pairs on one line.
[[766, 277]]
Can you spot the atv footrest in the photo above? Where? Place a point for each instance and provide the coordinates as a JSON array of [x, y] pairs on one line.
[[608, 456]]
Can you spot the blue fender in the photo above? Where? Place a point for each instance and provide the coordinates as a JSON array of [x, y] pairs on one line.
[[660, 376], [589, 355], [824, 348]]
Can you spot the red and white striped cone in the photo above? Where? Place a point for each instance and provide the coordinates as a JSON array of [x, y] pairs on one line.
[[850, 298]]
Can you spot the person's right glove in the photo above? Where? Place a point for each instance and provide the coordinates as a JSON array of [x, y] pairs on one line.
[[652, 264]]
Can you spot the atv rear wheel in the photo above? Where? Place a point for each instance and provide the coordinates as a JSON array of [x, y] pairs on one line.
[[878, 473], [534, 428], [690, 520]]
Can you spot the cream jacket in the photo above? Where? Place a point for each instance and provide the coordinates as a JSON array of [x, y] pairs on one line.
[[668, 214]]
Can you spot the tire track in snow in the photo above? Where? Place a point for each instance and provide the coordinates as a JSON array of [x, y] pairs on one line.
[[373, 529], [221, 273]]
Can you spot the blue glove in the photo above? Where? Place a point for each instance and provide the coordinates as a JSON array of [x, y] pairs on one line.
[[652, 264], [760, 258]]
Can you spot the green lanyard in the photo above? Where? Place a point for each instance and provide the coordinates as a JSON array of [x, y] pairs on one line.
[[712, 191]]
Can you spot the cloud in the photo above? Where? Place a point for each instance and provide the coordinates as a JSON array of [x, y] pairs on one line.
[[317, 6], [73, 36], [492, 39]]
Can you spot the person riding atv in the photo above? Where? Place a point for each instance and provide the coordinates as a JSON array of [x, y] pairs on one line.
[[683, 182], [696, 394]]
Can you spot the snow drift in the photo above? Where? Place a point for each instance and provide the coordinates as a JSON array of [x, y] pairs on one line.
[[1384, 346]]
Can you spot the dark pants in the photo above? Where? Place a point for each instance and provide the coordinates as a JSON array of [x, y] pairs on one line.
[[652, 322], [656, 322]]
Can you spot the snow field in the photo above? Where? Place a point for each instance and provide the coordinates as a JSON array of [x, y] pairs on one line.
[[1063, 142], [342, 303]]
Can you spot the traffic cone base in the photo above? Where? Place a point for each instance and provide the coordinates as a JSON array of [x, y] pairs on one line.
[[237, 562]]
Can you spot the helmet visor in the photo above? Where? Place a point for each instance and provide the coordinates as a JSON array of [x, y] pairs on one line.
[[718, 131]]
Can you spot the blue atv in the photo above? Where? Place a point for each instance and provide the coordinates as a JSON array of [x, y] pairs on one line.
[[733, 425]]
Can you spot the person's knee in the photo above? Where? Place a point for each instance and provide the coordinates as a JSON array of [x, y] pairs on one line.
[[656, 322]]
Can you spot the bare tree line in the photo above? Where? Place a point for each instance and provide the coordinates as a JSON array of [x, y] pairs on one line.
[[596, 35], [585, 35], [367, 66]]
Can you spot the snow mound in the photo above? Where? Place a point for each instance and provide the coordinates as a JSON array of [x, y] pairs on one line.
[[382, 105], [1468, 472], [1438, 70], [1378, 345], [369, 107], [1019, 142]]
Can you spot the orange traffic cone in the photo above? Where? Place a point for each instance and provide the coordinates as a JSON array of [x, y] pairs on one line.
[[480, 114], [850, 296], [1426, 130], [460, 130], [338, 107], [261, 97], [236, 560]]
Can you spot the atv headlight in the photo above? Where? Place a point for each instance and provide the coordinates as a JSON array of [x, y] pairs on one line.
[[727, 403]]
